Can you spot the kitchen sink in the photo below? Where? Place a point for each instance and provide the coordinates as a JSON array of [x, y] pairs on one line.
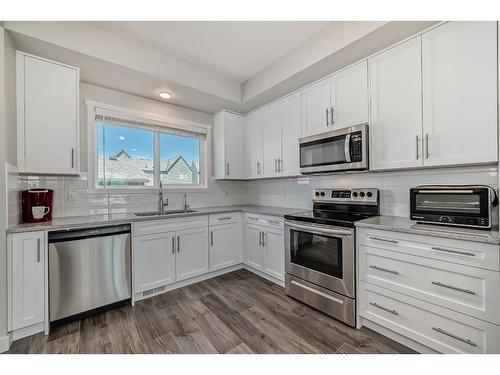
[[163, 213]]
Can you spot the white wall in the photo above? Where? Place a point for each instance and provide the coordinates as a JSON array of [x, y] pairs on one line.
[[394, 186]]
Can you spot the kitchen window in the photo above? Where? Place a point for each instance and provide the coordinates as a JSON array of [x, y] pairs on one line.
[[136, 151]]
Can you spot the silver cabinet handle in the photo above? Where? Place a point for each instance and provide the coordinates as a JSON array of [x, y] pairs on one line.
[[442, 331], [178, 244], [227, 218], [258, 168], [263, 239], [72, 158], [227, 169], [327, 117], [468, 291], [385, 270], [383, 240], [417, 146], [260, 238], [212, 238], [394, 312], [331, 116], [173, 244], [275, 165], [279, 165], [38, 250], [427, 146], [437, 248]]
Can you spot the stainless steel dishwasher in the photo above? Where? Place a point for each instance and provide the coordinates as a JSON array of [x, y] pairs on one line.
[[89, 271]]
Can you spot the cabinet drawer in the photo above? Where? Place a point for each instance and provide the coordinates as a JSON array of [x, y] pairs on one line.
[[224, 218], [169, 225], [469, 290], [268, 221], [438, 328], [468, 253]]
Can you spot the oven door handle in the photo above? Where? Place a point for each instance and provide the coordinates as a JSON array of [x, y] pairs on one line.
[[315, 229], [347, 148]]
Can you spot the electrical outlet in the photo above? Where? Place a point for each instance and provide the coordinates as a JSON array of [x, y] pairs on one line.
[[72, 195]]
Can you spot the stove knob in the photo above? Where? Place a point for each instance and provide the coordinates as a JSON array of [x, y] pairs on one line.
[[316, 193], [362, 194], [322, 193], [355, 194], [369, 194]]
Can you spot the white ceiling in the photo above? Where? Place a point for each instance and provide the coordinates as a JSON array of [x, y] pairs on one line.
[[235, 50]]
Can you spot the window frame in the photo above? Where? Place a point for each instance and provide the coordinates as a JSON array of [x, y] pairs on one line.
[[156, 121]]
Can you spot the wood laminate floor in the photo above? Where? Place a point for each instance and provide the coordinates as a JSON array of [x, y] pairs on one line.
[[234, 313]]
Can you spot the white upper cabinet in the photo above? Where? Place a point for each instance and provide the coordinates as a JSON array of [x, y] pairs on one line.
[[47, 116], [290, 109], [271, 140], [460, 93], [396, 107], [27, 280], [254, 145], [349, 96], [229, 155], [316, 104]]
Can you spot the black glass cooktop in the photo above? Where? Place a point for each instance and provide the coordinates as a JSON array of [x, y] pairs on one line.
[[329, 217]]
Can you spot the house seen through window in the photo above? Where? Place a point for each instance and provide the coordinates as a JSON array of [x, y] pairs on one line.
[[138, 156]]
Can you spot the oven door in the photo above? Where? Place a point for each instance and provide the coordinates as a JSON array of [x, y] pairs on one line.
[[322, 255]]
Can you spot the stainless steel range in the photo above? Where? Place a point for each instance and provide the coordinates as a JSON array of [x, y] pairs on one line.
[[320, 250]]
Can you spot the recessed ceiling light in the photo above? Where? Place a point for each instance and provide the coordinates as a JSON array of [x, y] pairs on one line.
[[165, 95]]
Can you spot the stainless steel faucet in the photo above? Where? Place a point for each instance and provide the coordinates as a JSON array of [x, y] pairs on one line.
[[161, 203], [186, 205]]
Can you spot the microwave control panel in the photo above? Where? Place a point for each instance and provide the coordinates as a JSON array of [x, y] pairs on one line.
[[356, 147]]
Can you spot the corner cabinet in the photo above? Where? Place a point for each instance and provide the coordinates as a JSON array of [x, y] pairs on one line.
[[26, 269], [229, 150], [47, 116]]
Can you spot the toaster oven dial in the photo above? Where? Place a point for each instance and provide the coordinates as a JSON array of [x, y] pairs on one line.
[[445, 219]]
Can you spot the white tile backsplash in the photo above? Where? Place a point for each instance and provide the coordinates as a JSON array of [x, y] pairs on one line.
[[291, 192]]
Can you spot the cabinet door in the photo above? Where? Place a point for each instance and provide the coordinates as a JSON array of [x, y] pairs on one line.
[[27, 262], [271, 140], [254, 145], [234, 146], [317, 107], [224, 246], [192, 253], [291, 124], [274, 253], [154, 261], [254, 248], [460, 93], [396, 107], [350, 96], [50, 117]]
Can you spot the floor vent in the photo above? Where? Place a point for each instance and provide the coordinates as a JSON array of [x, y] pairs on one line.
[[153, 291]]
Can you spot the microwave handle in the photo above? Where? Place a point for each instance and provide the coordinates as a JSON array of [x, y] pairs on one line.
[[347, 148]]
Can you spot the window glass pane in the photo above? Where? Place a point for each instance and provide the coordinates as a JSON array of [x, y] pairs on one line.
[[179, 159], [126, 158]]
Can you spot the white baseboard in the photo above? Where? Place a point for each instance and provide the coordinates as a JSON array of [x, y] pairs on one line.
[[264, 275], [5, 342], [396, 336]]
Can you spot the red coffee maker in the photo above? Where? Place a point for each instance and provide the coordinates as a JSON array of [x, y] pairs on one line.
[[37, 205]]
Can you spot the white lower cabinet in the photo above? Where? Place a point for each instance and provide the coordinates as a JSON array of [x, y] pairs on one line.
[[441, 293], [154, 261], [224, 246], [166, 251], [265, 247], [26, 262]]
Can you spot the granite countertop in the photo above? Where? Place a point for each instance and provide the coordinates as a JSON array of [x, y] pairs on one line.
[[89, 221], [405, 225]]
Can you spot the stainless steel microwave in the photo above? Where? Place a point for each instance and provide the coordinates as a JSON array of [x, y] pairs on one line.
[[338, 150], [458, 205]]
